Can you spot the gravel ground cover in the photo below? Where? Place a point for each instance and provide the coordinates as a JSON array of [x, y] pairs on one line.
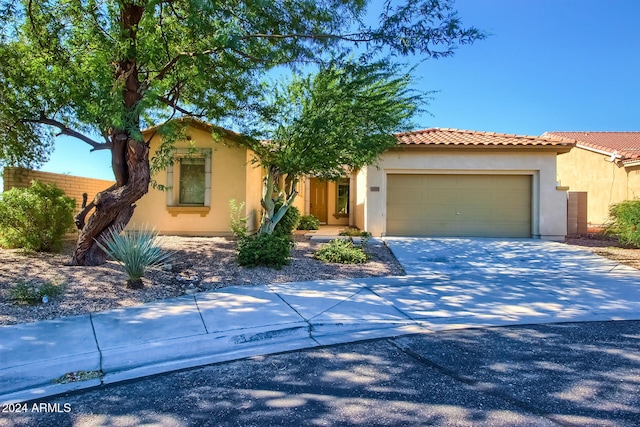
[[198, 264], [608, 247]]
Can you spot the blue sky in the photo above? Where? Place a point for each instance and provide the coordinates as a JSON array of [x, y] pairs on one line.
[[549, 65]]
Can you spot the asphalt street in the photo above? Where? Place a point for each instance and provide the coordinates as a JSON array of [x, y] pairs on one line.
[[573, 374]]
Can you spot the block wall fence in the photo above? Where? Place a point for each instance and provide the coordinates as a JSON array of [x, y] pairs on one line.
[[73, 186]]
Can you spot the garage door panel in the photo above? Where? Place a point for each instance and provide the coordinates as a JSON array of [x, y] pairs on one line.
[[402, 196], [402, 213], [472, 198], [459, 205]]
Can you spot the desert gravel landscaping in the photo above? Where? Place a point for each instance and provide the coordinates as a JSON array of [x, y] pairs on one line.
[[198, 264], [608, 247]]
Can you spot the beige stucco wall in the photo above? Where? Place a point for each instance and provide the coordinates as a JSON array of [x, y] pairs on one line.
[[253, 180], [300, 202], [232, 177], [605, 182], [633, 182], [361, 193], [549, 211]]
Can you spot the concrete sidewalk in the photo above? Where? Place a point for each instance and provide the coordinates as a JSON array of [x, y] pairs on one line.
[[452, 283]]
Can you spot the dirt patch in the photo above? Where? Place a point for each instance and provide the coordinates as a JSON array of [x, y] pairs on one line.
[[198, 264]]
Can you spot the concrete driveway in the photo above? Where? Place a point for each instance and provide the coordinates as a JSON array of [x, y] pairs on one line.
[[477, 281]]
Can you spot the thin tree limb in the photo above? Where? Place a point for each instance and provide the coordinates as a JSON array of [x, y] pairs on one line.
[[65, 130], [349, 37], [172, 63], [250, 57], [176, 107]]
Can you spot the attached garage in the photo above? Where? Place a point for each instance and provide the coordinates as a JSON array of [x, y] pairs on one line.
[[457, 205], [457, 183]]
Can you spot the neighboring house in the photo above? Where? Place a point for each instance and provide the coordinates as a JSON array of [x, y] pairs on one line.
[[437, 182], [605, 165]]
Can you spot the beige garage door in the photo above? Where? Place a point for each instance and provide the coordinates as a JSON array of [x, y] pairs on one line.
[[459, 205]]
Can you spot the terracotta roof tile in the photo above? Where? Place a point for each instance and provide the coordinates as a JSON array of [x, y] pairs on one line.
[[625, 144], [457, 137]]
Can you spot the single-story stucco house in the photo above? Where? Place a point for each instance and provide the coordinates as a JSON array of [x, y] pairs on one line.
[[436, 182], [605, 166]]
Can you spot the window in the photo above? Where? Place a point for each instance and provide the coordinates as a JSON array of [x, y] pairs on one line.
[[342, 202], [192, 181], [189, 181]]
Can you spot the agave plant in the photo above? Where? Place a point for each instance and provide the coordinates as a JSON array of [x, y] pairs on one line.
[[135, 250]]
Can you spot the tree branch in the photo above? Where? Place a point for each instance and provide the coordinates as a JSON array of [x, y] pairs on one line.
[[65, 130], [250, 57], [169, 66], [176, 107], [79, 219], [356, 37]]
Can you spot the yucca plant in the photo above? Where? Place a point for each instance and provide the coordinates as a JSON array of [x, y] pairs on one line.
[[135, 250]]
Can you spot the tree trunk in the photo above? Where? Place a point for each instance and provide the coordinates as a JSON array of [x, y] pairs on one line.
[[270, 217], [114, 207], [129, 156]]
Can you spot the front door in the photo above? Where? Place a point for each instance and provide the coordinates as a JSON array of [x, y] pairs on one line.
[[318, 201]]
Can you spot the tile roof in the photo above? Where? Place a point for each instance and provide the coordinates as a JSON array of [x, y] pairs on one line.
[[457, 137], [625, 144]]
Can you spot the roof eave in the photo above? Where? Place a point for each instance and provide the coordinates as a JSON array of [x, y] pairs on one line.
[[230, 135], [560, 149]]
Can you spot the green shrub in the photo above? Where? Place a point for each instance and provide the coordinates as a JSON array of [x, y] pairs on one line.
[[238, 222], [625, 222], [354, 232], [341, 251], [271, 250], [32, 294], [135, 250], [308, 222], [288, 222], [35, 218]]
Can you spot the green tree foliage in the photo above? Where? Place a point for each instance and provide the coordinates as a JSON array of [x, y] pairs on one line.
[[328, 125], [102, 70], [35, 218]]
